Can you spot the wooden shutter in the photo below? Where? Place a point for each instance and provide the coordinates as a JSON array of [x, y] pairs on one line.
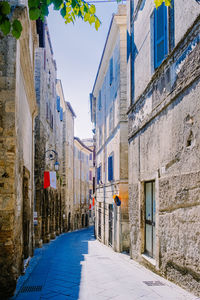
[[160, 35]]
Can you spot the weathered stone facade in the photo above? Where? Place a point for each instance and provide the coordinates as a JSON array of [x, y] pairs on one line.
[[67, 147], [17, 113], [164, 143], [81, 185], [108, 110], [48, 136]]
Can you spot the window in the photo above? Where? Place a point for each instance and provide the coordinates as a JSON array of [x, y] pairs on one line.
[[90, 156], [90, 175], [160, 35], [98, 174], [90, 193], [111, 71], [61, 114], [58, 103], [150, 213], [110, 168]]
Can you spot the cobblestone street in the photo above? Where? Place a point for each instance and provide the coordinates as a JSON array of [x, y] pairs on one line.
[[76, 266]]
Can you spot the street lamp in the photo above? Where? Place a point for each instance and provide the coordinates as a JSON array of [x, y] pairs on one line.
[[53, 155], [56, 165]]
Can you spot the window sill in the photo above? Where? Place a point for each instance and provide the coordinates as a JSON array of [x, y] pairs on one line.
[[149, 259]]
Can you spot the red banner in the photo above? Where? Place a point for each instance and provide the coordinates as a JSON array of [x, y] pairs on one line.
[[46, 180]]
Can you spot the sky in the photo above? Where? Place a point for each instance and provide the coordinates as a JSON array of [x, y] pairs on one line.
[[77, 50]]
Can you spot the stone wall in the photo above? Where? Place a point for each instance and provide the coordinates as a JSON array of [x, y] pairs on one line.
[[164, 146], [17, 113]]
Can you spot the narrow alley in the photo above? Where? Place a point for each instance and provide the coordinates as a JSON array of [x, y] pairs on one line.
[[76, 266]]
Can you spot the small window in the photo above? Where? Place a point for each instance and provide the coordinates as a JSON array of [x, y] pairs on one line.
[[90, 156], [90, 175], [61, 114], [98, 174], [160, 35], [58, 103], [110, 168]]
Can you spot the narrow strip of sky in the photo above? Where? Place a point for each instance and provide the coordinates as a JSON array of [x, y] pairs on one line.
[[77, 50]]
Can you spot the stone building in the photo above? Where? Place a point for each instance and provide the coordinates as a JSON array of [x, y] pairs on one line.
[[164, 140], [108, 112], [90, 144], [17, 113], [67, 148], [81, 184], [49, 207]]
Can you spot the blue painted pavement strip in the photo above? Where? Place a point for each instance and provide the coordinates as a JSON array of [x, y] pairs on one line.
[[54, 272]]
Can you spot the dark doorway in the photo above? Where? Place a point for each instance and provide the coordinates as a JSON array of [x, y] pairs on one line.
[[86, 220], [82, 220], [99, 223], [26, 214], [69, 221]]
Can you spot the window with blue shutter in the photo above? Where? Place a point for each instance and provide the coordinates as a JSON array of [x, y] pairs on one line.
[[111, 71], [98, 174], [160, 35], [110, 168], [58, 103], [61, 114]]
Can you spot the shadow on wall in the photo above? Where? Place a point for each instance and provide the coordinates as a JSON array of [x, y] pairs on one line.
[[55, 270]]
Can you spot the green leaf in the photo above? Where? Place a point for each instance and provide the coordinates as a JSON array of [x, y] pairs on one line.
[[63, 11], [86, 8], [5, 26], [168, 2], [73, 4], [158, 3], [97, 24], [44, 10], [33, 3], [92, 9], [92, 19], [34, 13], [57, 4], [5, 8], [17, 26]]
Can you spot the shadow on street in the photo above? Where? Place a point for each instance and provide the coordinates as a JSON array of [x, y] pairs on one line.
[[55, 270]]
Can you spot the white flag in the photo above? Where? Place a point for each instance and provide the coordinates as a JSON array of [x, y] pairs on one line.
[[53, 179]]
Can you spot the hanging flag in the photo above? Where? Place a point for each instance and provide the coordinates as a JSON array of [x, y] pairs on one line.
[[46, 180], [53, 179], [90, 206], [93, 201]]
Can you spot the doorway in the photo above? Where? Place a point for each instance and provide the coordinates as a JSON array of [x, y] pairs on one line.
[[150, 214]]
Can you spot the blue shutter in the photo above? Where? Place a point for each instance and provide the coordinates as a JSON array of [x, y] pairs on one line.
[[58, 103], [61, 114], [160, 35], [111, 70], [98, 174], [110, 168]]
